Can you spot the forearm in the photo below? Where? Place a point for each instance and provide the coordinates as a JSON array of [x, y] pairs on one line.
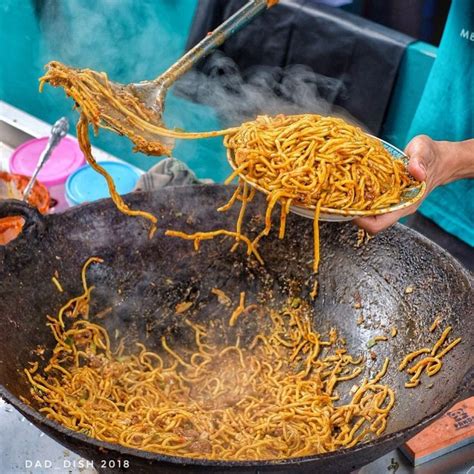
[[458, 160]]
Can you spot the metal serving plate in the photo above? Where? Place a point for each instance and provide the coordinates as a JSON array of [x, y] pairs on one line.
[[409, 197]]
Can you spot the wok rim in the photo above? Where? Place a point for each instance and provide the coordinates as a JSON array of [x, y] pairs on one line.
[[462, 390]]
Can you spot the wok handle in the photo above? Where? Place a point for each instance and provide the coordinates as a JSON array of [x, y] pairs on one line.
[[34, 220]]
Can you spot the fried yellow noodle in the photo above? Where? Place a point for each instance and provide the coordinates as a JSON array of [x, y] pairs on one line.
[[308, 160], [314, 162], [279, 396], [432, 363], [84, 143]]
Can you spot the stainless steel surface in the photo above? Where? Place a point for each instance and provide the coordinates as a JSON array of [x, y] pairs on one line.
[[460, 461], [58, 132], [25, 449], [10, 138]]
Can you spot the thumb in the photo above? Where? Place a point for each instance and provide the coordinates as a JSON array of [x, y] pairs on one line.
[[417, 167], [420, 152]]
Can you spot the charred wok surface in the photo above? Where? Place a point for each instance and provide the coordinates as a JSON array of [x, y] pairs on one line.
[[143, 280]]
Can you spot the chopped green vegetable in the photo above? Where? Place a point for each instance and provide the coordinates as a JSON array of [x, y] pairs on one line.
[[371, 343], [296, 302]]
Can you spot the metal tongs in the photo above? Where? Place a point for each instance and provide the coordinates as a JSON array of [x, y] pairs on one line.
[[58, 132]]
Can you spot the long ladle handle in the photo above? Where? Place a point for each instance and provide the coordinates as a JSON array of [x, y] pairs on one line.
[[233, 24]]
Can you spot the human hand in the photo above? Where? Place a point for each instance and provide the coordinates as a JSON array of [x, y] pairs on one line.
[[436, 162]]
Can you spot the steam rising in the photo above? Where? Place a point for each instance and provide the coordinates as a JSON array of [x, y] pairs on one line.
[[128, 39], [240, 96], [138, 40]]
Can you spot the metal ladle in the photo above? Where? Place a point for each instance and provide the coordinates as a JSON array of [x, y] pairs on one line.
[[126, 108], [58, 132]]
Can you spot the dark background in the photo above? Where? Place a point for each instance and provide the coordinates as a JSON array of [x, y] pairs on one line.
[[422, 19]]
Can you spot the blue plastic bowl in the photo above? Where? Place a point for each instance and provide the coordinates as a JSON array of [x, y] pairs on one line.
[[86, 185]]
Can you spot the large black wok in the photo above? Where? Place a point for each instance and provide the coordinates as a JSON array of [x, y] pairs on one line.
[[144, 280]]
